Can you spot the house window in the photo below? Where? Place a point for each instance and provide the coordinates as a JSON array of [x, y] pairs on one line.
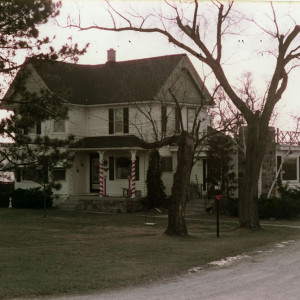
[[123, 168], [59, 174], [35, 129], [29, 174], [167, 120], [36, 174], [191, 114], [118, 120], [59, 126], [166, 164], [289, 168]]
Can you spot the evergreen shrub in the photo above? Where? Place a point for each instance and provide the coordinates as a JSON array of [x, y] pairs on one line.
[[31, 198], [4, 198], [232, 207], [156, 196]]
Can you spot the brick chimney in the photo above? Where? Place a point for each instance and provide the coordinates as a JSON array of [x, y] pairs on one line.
[[111, 55]]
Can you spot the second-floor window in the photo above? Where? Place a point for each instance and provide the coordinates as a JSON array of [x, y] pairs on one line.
[[59, 126], [118, 120], [170, 120], [191, 114]]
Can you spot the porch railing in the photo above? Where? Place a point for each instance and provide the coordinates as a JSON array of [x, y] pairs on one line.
[[288, 137]]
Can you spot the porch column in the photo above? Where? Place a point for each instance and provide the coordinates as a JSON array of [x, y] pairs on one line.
[[133, 158], [101, 155]]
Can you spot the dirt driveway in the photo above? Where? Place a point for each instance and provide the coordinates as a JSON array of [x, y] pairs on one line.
[[272, 274]]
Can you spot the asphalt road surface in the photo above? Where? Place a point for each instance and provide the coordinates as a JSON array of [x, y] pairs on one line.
[[272, 274]]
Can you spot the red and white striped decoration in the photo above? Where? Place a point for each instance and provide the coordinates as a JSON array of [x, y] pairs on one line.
[[101, 179], [133, 179]]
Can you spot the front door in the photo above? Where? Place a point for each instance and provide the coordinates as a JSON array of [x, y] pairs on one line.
[[94, 173]]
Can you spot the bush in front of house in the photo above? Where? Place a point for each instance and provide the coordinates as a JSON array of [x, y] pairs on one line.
[[232, 207], [4, 198], [31, 198], [6, 189], [286, 206]]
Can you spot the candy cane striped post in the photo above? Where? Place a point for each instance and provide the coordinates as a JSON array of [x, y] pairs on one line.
[[133, 158], [101, 174], [133, 179]]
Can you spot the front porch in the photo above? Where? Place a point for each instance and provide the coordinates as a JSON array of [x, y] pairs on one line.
[[103, 204], [113, 166]]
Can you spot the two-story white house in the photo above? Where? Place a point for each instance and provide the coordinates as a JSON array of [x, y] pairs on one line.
[[112, 107]]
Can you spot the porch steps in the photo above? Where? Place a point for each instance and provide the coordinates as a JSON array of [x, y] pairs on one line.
[[195, 207]]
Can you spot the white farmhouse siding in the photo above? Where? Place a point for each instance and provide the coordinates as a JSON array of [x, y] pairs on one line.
[[97, 121], [79, 173], [77, 122]]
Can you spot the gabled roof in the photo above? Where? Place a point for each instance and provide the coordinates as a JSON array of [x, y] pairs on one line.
[[112, 82], [109, 83]]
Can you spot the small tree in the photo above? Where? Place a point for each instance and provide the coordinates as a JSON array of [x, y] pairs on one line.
[[156, 196], [220, 164], [19, 35]]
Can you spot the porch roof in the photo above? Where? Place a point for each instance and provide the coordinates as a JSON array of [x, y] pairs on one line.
[[109, 142]]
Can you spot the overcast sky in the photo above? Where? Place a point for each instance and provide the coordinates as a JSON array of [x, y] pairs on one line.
[[242, 52]]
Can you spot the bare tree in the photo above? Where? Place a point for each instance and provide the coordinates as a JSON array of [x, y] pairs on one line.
[[183, 27], [163, 120]]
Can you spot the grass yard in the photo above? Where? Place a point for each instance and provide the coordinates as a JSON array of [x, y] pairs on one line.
[[75, 253]]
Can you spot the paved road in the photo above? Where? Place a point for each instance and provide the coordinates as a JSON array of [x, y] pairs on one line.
[[273, 274]]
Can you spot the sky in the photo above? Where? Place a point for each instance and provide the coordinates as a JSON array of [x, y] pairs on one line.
[[243, 50]]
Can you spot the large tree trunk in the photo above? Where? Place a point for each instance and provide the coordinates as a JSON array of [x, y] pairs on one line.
[[176, 208], [256, 143]]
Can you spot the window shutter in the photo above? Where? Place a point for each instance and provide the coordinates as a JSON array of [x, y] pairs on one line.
[[204, 174], [111, 168], [177, 118], [18, 174], [163, 120], [137, 168], [111, 121], [38, 128], [125, 120]]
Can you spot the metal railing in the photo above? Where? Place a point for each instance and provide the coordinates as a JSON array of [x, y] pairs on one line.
[[288, 137]]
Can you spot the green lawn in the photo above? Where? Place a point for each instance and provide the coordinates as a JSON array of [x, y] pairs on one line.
[[73, 252]]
